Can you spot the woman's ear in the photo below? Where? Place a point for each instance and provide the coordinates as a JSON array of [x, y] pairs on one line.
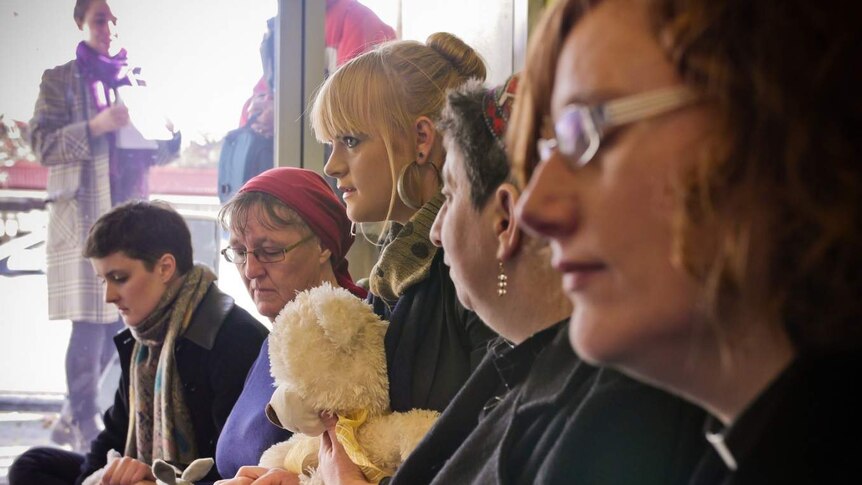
[[426, 136], [506, 226], [166, 267], [325, 255]]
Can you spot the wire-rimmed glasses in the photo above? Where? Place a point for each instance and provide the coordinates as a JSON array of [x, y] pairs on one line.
[[263, 255], [577, 134]]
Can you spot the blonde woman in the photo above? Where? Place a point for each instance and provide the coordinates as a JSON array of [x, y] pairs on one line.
[[378, 112]]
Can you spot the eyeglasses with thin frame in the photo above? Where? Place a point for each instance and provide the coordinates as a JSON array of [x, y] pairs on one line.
[[263, 255], [578, 132]]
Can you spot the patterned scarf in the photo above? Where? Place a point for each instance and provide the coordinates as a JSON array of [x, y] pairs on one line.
[[159, 422], [407, 258]]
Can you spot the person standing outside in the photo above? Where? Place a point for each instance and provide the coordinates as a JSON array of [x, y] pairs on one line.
[[73, 133]]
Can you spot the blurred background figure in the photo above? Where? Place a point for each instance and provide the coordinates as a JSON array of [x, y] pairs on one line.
[[350, 29], [73, 132]]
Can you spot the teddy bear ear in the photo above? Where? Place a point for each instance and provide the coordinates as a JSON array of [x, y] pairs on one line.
[[197, 469], [165, 472], [341, 315]]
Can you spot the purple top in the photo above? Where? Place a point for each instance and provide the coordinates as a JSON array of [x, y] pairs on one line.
[[247, 433]]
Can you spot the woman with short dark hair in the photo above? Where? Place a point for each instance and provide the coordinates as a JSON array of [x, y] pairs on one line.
[[184, 354]]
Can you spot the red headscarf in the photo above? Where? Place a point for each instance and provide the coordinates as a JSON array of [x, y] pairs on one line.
[[311, 197]]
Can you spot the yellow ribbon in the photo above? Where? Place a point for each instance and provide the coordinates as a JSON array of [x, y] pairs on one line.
[[345, 431], [297, 459]]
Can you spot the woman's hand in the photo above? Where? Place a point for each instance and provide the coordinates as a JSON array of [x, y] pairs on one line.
[[335, 466], [258, 475], [109, 119], [127, 471]]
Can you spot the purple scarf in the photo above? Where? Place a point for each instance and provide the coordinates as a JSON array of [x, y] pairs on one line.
[[102, 74]]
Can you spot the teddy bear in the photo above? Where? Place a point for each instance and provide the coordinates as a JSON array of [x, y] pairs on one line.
[[326, 355]]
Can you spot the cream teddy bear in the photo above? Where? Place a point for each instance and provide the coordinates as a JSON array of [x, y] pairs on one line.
[[326, 354]]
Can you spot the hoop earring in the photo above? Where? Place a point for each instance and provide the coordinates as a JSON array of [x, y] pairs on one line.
[[410, 200]]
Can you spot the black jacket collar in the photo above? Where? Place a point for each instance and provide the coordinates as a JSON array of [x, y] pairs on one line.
[[206, 321]]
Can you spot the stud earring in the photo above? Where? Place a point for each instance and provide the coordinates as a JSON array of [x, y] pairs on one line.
[[502, 280]]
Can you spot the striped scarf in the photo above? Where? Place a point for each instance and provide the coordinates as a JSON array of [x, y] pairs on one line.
[[160, 425]]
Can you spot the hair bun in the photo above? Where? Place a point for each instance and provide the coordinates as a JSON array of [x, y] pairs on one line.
[[464, 58]]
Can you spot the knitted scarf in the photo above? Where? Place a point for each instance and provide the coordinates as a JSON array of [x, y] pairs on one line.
[[407, 258], [159, 421]]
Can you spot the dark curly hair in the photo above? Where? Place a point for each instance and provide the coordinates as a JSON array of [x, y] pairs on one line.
[[142, 230], [463, 123], [783, 168]]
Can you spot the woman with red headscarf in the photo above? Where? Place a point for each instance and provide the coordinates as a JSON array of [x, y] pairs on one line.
[[288, 233]]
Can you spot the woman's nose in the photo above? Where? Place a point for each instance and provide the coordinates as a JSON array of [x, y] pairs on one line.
[[111, 295], [335, 166], [549, 207], [252, 267], [436, 227]]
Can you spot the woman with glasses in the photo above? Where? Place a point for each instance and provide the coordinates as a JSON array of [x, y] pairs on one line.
[[184, 354], [698, 176], [288, 233]]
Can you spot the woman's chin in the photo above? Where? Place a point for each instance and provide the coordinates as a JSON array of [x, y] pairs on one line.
[[588, 342], [267, 310]]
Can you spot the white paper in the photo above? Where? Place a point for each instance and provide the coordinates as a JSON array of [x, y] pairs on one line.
[[147, 120]]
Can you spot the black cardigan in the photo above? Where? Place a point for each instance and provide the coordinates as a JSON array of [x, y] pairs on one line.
[[213, 358], [433, 343], [564, 421]]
